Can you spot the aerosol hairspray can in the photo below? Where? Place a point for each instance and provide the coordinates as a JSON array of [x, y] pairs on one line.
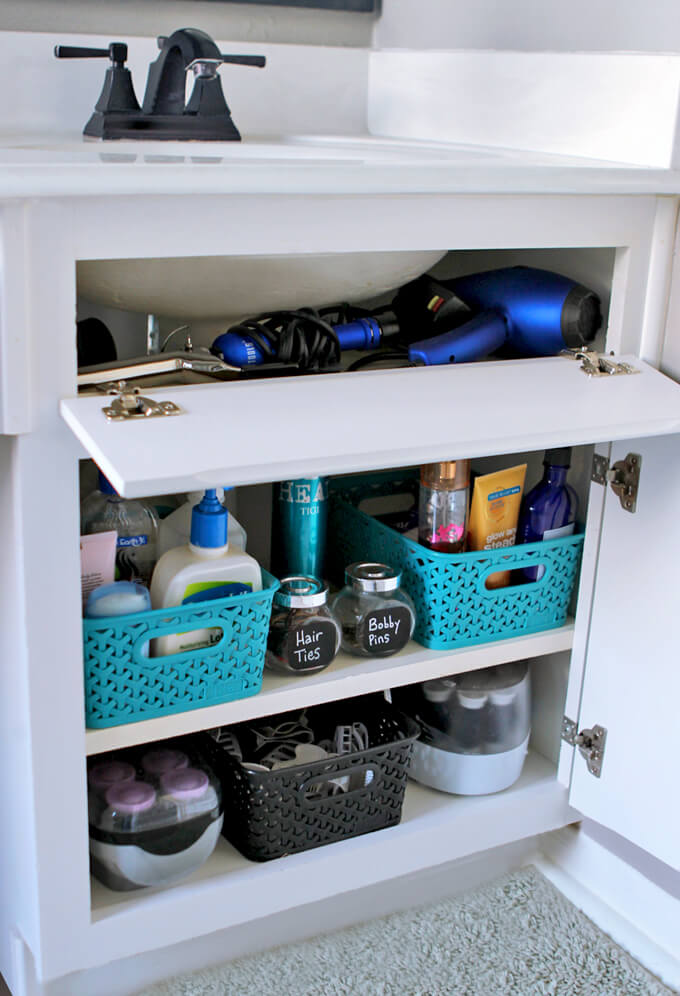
[[300, 515]]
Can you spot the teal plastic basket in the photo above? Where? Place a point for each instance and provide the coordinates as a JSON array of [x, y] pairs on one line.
[[453, 605], [122, 685]]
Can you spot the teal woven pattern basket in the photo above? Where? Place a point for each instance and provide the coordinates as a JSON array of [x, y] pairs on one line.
[[454, 607], [122, 685]]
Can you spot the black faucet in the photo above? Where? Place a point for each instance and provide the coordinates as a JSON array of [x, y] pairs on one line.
[[164, 114]]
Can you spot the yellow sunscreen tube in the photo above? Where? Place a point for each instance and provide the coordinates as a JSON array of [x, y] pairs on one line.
[[494, 513]]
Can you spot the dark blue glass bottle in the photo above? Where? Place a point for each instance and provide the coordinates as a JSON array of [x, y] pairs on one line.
[[549, 509]]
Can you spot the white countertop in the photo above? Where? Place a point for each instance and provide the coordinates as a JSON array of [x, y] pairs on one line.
[[319, 120], [41, 166]]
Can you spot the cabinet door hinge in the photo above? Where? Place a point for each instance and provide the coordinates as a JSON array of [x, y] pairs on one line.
[[623, 476], [589, 742], [130, 404], [595, 364]]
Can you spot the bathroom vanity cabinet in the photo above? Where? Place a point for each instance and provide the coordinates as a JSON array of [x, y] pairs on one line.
[[613, 666]]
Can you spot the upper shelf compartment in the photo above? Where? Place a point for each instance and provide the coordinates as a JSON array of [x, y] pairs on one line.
[[336, 423], [210, 287]]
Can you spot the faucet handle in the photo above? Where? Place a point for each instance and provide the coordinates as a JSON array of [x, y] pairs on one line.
[[204, 68], [118, 94], [117, 52], [259, 61]]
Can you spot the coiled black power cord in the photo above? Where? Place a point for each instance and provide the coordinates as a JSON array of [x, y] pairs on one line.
[[305, 339], [302, 338]]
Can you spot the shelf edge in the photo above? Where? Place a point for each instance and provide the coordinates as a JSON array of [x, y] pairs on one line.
[[346, 678]]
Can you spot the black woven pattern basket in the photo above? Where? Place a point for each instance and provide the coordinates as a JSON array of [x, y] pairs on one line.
[[269, 814]]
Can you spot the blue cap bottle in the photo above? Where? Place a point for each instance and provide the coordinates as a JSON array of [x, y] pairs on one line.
[[209, 521]]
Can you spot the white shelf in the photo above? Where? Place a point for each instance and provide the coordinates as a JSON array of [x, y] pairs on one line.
[[228, 890], [345, 678]]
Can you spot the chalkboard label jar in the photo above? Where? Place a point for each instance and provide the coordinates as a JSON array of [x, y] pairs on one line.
[[377, 618], [304, 636]]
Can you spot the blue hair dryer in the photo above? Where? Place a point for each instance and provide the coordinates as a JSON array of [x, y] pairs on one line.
[[535, 312]]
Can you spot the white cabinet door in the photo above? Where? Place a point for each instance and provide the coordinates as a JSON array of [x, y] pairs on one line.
[[631, 680], [270, 430]]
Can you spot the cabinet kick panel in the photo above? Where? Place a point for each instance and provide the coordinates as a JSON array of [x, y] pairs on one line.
[[268, 430]]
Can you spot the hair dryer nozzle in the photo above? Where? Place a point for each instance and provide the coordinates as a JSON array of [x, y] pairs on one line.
[[581, 317]]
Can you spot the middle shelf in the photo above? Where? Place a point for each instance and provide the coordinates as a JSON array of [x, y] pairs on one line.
[[346, 678]]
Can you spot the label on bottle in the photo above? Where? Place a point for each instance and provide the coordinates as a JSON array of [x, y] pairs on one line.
[[311, 644], [304, 492], [208, 591], [205, 591], [567, 530], [551, 534], [504, 493], [135, 558], [385, 631], [127, 541]]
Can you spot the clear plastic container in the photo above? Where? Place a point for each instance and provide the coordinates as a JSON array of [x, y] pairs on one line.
[[444, 505], [121, 598], [156, 763], [474, 728], [136, 524], [376, 617], [304, 635], [155, 816], [101, 776]]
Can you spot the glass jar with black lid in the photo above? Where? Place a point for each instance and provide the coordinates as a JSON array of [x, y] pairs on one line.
[[304, 636]]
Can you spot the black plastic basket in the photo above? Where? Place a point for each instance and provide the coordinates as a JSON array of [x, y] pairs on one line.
[[272, 813]]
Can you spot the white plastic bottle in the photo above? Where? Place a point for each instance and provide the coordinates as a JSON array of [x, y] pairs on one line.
[[175, 529], [201, 570]]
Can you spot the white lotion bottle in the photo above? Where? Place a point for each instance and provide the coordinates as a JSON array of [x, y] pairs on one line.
[[201, 570], [175, 529]]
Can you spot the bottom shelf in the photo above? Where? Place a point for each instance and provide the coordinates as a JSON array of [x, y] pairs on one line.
[[436, 828]]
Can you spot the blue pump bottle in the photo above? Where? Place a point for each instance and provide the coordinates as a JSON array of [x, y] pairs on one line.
[[549, 510]]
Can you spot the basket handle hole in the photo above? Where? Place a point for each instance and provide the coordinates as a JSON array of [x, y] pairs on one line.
[[202, 637], [337, 784], [518, 577]]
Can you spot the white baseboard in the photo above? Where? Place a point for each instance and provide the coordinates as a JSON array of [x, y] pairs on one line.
[[635, 912], [639, 915], [124, 978]]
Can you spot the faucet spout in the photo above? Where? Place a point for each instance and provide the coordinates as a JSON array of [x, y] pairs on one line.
[[166, 82]]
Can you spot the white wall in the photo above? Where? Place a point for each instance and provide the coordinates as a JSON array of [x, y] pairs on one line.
[[605, 25], [241, 22]]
